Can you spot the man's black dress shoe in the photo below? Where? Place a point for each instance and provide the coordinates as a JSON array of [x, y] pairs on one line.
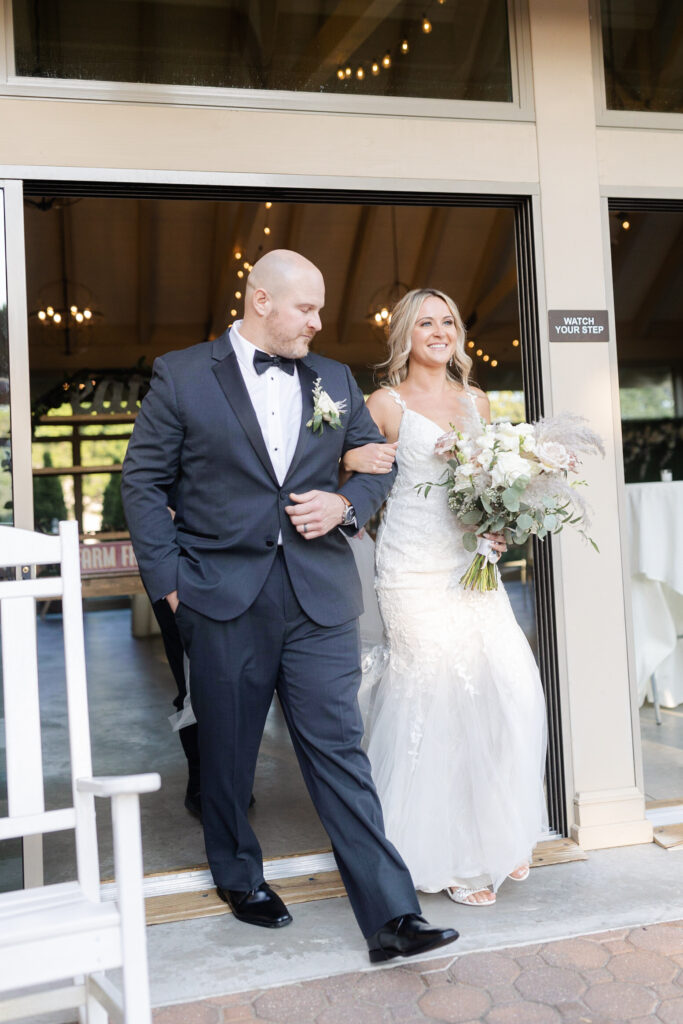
[[407, 936], [259, 906]]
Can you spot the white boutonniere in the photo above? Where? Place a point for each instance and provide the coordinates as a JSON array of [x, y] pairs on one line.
[[325, 410]]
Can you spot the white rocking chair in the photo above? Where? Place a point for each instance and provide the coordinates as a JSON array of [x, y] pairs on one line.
[[56, 941]]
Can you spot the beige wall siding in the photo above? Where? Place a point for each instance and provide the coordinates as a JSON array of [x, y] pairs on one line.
[[53, 133]]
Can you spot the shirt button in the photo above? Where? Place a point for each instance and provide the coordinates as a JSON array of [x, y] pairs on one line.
[[270, 543]]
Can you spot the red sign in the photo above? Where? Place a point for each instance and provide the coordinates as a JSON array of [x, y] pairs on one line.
[[107, 558]]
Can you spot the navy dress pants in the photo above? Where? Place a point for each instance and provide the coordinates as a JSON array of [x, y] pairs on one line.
[[235, 667]]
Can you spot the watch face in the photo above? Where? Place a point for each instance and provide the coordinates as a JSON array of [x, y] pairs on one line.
[[349, 515]]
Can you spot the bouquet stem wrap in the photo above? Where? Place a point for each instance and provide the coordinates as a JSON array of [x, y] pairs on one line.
[[482, 574]]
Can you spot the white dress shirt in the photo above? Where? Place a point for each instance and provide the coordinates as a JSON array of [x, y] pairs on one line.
[[276, 397]]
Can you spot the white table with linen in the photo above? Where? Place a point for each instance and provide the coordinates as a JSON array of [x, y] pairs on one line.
[[655, 515]]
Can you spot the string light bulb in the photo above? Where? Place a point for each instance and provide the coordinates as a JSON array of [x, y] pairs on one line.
[[494, 362], [238, 255], [266, 230], [340, 74], [426, 25], [240, 273], [50, 310], [486, 358], [626, 224], [404, 46], [87, 313], [233, 312], [268, 205], [360, 73], [480, 351], [57, 318], [347, 72], [470, 344], [238, 295], [515, 343], [375, 68], [386, 60], [42, 314]]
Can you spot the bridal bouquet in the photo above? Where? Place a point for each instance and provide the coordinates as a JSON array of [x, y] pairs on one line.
[[513, 479]]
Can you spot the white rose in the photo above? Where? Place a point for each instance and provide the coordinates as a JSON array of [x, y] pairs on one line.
[[508, 468], [552, 455]]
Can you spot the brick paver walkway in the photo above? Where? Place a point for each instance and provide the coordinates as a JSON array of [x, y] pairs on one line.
[[631, 975]]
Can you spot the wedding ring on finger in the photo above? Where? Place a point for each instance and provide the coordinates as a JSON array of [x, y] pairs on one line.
[[305, 527]]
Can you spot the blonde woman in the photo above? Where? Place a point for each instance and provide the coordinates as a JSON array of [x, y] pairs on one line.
[[455, 717]]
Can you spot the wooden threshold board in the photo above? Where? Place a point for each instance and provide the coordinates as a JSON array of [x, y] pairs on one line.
[[324, 885], [183, 906], [669, 837]]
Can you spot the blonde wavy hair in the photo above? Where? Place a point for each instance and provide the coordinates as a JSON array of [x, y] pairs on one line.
[[404, 316]]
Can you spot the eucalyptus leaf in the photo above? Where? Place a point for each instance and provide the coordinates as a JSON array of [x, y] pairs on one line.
[[472, 517], [470, 541], [511, 499], [550, 523], [524, 522]]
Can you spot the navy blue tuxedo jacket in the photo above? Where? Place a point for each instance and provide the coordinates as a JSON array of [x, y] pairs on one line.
[[197, 436]]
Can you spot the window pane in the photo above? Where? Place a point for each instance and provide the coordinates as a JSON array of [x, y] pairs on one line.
[[646, 394], [642, 47], [433, 50]]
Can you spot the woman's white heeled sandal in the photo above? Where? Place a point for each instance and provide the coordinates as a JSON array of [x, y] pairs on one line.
[[520, 878], [459, 894]]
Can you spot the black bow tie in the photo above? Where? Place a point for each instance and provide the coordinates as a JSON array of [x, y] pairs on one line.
[[263, 362]]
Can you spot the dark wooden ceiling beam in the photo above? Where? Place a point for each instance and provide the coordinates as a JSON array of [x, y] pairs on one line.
[[497, 241], [367, 218], [147, 263], [435, 228], [344, 31]]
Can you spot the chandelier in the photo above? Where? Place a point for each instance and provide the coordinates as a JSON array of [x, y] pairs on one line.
[[66, 308]]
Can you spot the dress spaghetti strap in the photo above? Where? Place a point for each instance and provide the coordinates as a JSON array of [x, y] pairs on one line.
[[397, 398]]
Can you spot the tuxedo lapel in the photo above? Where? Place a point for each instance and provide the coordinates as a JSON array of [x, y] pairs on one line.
[[232, 384], [307, 378]]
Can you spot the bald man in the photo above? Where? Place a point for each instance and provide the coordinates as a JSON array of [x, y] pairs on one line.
[[264, 588]]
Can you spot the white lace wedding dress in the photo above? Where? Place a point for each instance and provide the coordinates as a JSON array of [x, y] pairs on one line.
[[453, 705]]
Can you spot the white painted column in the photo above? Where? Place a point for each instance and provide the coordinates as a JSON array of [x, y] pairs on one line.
[[608, 804]]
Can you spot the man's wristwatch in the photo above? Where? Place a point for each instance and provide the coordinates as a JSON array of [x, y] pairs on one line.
[[349, 516]]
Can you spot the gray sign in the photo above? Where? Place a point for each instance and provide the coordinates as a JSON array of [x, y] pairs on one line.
[[578, 325]]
